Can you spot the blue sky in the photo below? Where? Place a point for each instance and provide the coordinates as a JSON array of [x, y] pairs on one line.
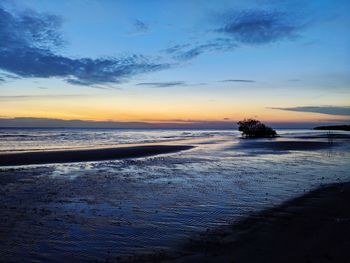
[[143, 60]]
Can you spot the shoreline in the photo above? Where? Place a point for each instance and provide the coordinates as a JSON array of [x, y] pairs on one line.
[[88, 155], [313, 227]]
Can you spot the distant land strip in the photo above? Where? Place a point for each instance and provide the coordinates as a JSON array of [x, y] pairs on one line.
[[87, 155], [334, 128]]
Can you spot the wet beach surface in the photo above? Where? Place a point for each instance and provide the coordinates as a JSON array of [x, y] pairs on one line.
[[311, 228], [112, 209]]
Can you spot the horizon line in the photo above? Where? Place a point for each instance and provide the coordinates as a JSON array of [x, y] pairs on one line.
[[36, 122]]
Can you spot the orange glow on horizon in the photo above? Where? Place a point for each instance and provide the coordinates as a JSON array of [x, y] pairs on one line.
[[169, 110]]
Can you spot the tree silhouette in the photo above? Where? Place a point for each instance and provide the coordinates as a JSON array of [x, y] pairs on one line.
[[252, 128]]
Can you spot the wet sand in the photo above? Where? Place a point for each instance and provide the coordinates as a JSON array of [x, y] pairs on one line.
[[311, 228], [86, 155], [107, 211], [272, 145]]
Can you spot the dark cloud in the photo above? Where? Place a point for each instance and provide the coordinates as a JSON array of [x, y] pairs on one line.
[[259, 26], [27, 46], [162, 84], [30, 29], [241, 28], [140, 26], [238, 80], [331, 110]]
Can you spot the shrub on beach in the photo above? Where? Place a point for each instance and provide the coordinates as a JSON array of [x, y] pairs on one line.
[[252, 128]]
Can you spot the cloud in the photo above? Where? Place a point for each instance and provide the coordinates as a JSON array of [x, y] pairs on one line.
[[140, 26], [239, 28], [6, 76], [238, 80], [188, 51], [330, 110], [176, 48], [24, 97], [162, 84], [259, 26], [27, 49]]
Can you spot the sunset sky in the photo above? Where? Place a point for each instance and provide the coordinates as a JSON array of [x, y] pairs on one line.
[[176, 61]]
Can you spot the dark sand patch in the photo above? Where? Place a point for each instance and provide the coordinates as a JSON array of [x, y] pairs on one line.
[[87, 155], [312, 228]]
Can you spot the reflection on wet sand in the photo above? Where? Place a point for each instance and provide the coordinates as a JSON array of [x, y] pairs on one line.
[[111, 209]]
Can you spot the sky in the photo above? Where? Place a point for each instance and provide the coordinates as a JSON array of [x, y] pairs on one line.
[[176, 61]]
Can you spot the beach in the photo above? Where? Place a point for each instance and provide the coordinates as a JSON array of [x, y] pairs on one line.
[[314, 227], [134, 193]]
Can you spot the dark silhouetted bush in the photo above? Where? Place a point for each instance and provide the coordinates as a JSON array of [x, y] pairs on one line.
[[251, 128]]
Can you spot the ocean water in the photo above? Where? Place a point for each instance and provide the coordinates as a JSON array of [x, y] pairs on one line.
[[16, 140], [104, 210], [56, 139]]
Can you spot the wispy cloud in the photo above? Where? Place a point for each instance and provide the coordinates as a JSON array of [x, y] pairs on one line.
[[190, 51], [51, 96], [162, 84], [330, 110], [238, 80], [176, 48], [140, 26], [27, 49], [5, 76]]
